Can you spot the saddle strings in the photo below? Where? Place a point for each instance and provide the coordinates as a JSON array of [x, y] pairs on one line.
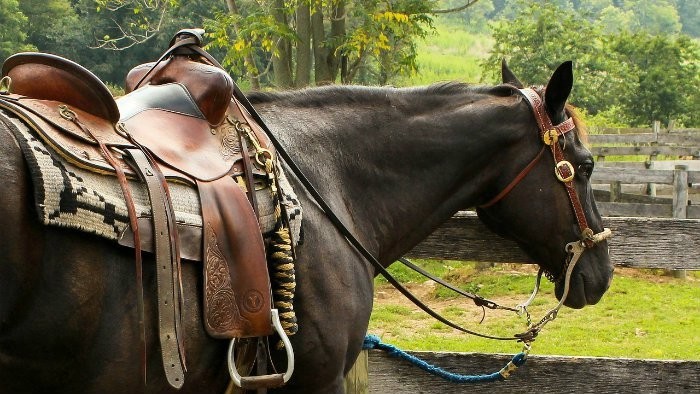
[[70, 115]]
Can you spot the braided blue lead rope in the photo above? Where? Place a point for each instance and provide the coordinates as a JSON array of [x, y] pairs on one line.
[[373, 342]]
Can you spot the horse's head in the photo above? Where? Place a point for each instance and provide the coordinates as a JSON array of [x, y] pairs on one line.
[[544, 206]]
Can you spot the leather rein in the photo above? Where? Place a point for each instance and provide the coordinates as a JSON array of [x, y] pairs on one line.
[[563, 170]]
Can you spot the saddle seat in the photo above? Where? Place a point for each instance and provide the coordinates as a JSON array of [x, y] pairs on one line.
[[189, 111]]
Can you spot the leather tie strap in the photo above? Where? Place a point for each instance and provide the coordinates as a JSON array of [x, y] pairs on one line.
[[166, 269]]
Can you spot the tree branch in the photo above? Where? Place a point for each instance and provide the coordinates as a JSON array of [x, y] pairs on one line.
[[456, 9]]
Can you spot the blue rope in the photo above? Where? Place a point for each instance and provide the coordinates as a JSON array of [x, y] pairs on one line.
[[373, 342]]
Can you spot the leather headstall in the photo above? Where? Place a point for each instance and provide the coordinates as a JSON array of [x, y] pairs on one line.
[[563, 169]]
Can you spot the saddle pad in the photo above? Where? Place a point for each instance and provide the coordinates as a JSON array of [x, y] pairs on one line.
[[68, 196]]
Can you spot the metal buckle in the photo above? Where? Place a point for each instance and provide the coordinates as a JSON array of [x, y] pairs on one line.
[[550, 137], [564, 171], [243, 382]]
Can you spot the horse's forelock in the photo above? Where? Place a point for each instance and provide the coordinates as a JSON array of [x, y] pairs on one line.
[[582, 130]]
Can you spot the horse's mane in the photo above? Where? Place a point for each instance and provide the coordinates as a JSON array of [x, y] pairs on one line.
[[348, 94]]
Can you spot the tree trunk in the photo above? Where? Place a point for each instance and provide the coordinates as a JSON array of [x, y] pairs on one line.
[[303, 66], [255, 76], [337, 36], [281, 58], [322, 72]]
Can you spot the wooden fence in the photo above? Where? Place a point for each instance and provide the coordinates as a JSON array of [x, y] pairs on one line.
[[650, 230], [664, 184], [665, 243]]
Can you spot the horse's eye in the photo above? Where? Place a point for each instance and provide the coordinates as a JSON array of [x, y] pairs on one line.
[[586, 168]]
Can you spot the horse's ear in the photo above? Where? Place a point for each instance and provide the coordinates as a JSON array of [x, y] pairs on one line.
[[559, 88], [508, 76]]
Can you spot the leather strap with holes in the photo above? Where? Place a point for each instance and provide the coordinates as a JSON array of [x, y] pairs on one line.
[[563, 169]]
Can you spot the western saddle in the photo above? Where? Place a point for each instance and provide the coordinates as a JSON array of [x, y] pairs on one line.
[[180, 121]]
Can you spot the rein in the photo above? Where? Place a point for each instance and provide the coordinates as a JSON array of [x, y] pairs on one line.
[[564, 171]]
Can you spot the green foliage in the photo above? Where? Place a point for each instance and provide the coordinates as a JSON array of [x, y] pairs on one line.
[[689, 12], [47, 21], [655, 16], [449, 54], [663, 77], [244, 36], [541, 38], [13, 34], [385, 40], [376, 41], [474, 19], [638, 76]]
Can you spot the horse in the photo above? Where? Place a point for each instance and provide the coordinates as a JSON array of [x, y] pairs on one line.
[[392, 163]]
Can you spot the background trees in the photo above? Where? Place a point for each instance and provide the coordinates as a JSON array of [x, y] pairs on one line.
[[637, 75], [13, 34], [635, 60]]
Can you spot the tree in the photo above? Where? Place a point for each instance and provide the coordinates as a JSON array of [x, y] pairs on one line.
[[663, 77], [52, 28], [655, 16], [689, 12], [541, 38], [639, 77], [13, 34], [116, 35], [334, 40]]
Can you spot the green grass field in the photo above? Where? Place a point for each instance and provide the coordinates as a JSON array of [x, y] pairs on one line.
[[643, 315], [448, 55]]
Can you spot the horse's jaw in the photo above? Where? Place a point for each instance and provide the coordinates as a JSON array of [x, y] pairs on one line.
[[586, 286]]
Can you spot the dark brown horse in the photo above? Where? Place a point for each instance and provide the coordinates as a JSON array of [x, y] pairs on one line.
[[394, 164]]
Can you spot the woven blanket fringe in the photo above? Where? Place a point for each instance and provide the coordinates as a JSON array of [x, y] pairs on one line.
[[374, 342]]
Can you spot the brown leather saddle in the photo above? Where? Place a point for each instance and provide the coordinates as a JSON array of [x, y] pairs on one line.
[[179, 121]]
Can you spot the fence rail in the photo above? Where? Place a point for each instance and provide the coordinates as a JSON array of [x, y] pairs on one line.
[[638, 242], [635, 186], [541, 374]]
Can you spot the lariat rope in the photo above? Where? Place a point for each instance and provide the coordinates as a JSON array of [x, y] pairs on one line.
[[373, 342]]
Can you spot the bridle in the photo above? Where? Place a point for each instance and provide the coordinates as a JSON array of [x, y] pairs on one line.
[[565, 173], [563, 170]]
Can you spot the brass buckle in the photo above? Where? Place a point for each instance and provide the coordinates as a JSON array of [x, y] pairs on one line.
[[550, 137], [564, 171]]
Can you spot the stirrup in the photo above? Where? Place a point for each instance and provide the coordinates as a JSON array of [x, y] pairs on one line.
[[267, 381]]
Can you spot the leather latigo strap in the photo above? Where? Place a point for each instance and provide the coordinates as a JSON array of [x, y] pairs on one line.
[[167, 268], [237, 298], [563, 169]]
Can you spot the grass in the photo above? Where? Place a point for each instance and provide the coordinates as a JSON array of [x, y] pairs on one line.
[[643, 315], [449, 54]]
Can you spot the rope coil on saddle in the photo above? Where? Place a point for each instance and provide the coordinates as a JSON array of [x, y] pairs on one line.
[[282, 276]]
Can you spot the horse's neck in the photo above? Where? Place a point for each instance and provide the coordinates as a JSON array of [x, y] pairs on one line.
[[392, 169]]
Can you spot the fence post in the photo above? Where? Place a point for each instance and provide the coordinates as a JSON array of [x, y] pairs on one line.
[[357, 379], [655, 129], [616, 191], [680, 202]]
